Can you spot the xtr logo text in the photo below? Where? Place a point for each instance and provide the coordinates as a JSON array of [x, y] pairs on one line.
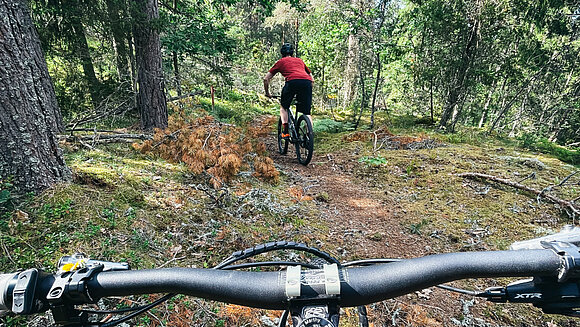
[[528, 296]]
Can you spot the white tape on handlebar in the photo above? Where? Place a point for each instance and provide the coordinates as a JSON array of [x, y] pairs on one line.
[[331, 279], [293, 281]]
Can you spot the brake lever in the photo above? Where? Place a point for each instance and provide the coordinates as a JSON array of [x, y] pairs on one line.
[[553, 294]]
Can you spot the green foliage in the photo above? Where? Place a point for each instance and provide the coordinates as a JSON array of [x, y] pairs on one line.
[[411, 167], [408, 121], [373, 161], [56, 211], [326, 125], [234, 108], [543, 145], [198, 30], [417, 228]]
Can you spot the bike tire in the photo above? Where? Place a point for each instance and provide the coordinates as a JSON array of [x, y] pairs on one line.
[[305, 142], [282, 143]]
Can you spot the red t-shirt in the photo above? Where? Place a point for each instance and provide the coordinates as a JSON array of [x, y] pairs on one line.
[[291, 68]]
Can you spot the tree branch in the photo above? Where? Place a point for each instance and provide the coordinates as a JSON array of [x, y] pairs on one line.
[[540, 193]]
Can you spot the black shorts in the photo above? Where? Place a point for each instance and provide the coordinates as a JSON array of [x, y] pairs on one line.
[[302, 89]]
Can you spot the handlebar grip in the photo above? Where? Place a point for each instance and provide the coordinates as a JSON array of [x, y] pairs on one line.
[[6, 280]]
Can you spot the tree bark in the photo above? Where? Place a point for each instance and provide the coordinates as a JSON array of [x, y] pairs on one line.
[[29, 114], [151, 97], [133, 63]]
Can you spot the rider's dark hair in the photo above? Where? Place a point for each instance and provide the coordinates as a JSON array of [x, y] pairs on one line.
[[287, 49]]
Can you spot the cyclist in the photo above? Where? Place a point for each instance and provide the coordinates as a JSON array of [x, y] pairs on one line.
[[298, 84]]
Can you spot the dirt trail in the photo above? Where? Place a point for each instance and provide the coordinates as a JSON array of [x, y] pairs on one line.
[[362, 221], [360, 218]]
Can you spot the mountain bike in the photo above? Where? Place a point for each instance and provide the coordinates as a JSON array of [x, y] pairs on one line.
[[301, 135], [313, 296]]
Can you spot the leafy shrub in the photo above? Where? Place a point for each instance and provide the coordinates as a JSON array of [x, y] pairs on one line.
[[404, 121], [543, 145], [373, 161], [326, 125]]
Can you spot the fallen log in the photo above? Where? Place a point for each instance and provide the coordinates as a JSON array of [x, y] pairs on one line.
[[566, 205]]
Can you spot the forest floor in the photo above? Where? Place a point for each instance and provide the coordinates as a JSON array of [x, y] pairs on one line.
[[376, 210], [364, 195]]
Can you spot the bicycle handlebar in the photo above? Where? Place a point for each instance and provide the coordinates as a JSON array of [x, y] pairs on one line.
[[358, 286]]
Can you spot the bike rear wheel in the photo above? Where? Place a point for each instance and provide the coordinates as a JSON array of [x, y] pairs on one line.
[[305, 142], [282, 143]]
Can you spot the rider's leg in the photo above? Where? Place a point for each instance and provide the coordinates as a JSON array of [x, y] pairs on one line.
[[283, 115]]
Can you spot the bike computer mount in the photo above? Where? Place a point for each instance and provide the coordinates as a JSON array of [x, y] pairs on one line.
[[313, 310]]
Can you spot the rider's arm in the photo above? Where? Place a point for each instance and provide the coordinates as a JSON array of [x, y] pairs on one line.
[[267, 79]]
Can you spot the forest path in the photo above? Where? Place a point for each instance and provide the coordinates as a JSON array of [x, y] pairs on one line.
[[365, 222], [361, 220]]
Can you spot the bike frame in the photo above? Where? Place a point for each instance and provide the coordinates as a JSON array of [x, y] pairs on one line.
[[292, 124]]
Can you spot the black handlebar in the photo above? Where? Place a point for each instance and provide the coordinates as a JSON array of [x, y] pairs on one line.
[[359, 285], [32, 291]]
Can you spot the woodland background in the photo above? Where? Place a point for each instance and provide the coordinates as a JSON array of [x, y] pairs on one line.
[[503, 66]]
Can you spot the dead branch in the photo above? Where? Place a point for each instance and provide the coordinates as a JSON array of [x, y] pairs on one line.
[[171, 136], [97, 136], [540, 193], [118, 110], [93, 130]]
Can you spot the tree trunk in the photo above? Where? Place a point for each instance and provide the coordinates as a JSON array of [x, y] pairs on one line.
[[457, 112], [350, 72], [486, 106], [29, 113], [176, 63], [176, 73], [518, 117], [151, 98], [114, 8], [81, 48], [133, 63], [377, 82], [458, 85], [431, 101], [362, 93]]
